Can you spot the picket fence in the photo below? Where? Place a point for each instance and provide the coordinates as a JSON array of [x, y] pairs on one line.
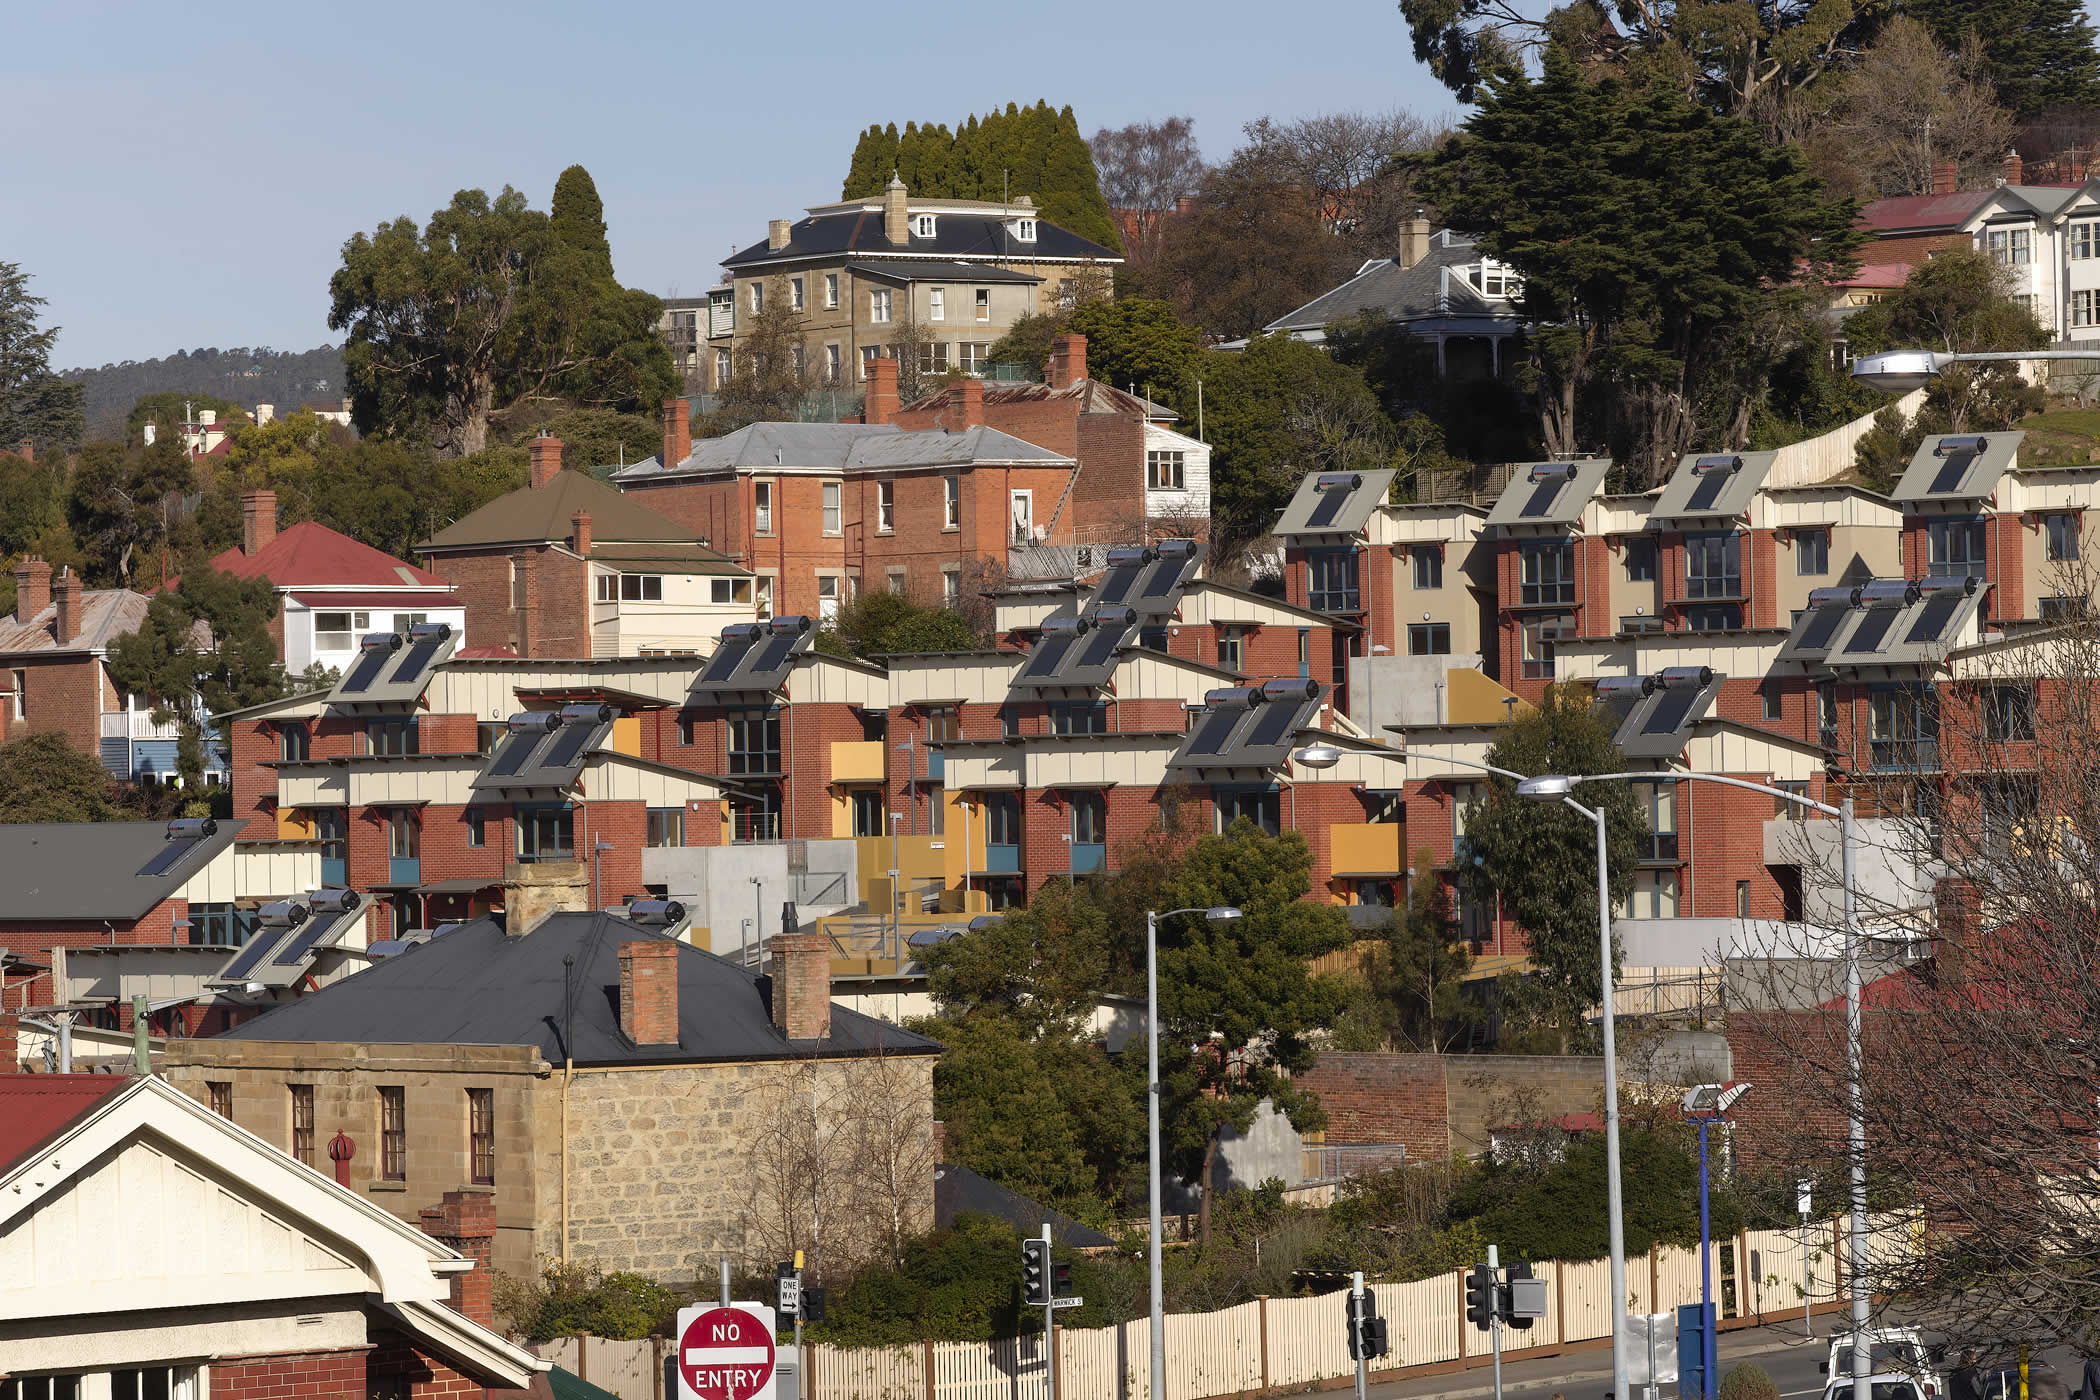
[[1286, 1344]]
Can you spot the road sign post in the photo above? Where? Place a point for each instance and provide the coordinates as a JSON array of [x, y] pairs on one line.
[[1802, 1199], [1495, 1317], [1050, 1315], [725, 1353]]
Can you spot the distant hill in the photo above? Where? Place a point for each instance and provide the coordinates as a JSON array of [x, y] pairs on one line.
[[286, 378]]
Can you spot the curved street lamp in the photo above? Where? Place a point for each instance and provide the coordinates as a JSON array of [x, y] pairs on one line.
[[1900, 371]]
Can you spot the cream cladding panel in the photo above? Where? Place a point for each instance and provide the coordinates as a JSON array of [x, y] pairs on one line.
[[822, 681], [444, 781], [217, 883], [983, 769], [972, 679], [273, 871], [611, 780], [312, 786], [1100, 765], [1720, 749], [1147, 675]]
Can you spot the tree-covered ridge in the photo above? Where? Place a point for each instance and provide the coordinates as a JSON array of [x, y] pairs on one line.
[[1023, 150], [286, 378]]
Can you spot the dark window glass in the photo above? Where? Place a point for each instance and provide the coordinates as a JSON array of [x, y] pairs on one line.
[[1429, 639], [1333, 580], [294, 743], [1811, 553], [393, 1133], [1713, 566], [303, 1122], [1548, 572], [754, 741], [1640, 560], [481, 1136], [1429, 565]]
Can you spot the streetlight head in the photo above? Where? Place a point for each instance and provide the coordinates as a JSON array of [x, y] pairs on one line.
[[1897, 371], [1709, 1100], [1223, 914], [1318, 756], [1546, 787]]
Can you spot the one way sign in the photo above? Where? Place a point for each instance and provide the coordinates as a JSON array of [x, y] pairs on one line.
[[725, 1353]]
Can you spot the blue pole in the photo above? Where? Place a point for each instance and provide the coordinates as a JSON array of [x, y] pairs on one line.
[[1706, 1278]]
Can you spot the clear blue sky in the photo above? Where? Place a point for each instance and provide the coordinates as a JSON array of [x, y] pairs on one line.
[[175, 176]]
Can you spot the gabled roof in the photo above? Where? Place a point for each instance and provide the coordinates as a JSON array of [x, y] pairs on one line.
[[752, 659], [1403, 293], [1252, 727], [540, 514], [475, 985], [34, 1108], [98, 870], [857, 228], [1910, 212], [1334, 503], [842, 447], [1957, 467], [1711, 488], [1087, 395], [1656, 714], [105, 615], [1543, 494], [310, 555]]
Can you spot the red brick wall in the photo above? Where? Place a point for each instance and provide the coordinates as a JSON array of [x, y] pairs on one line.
[[1384, 1099], [1913, 248], [314, 1375], [556, 618], [2008, 564], [482, 584], [66, 693], [1111, 487], [1761, 575], [394, 1357]]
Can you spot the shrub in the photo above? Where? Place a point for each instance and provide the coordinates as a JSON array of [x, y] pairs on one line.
[[1748, 1381], [580, 1299]]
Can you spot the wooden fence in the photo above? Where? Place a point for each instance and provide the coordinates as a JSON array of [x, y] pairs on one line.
[[1290, 1344]]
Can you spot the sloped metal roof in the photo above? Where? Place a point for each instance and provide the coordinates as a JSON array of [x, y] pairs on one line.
[[1548, 494], [1711, 487], [1957, 467], [1334, 503]]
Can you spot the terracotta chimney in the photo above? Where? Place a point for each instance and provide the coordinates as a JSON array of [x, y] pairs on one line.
[[2013, 167], [32, 588], [1067, 361], [800, 967], [896, 211], [1943, 177], [678, 432], [546, 458], [467, 1222], [881, 403], [972, 403], [580, 533], [258, 520], [649, 991], [68, 606], [532, 892], [777, 234]]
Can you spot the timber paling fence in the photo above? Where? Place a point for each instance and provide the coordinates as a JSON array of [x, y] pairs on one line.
[[1291, 1344]]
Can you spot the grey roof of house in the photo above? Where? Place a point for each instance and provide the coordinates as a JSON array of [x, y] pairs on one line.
[[1915, 627], [1714, 492], [1085, 395], [957, 1190], [752, 658], [1526, 501], [1252, 727], [278, 955], [844, 447], [1655, 717], [1960, 475], [924, 270], [105, 615], [859, 230], [1076, 653], [1339, 510], [391, 670], [1148, 581], [87, 870], [1404, 293], [475, 985], [545, 751]]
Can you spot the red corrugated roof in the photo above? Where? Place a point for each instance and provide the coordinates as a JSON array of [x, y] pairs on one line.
[[409, 601], [1877, 276], [309, 554], [34, 1108]]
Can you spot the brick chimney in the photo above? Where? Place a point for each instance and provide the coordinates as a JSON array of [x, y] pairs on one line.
[[1943, 177], [1414, 241], [1958, 914], [467, 1222], [68, 606], [258, 520], [1067, 362], [678, 431], [649, 991], [972, 403], [881, 403], [777, 234], [580, 533], [2013, 167], [532, 892], [32, 588], [896, 211], [800, 967], [10, 1053], [546, 458]]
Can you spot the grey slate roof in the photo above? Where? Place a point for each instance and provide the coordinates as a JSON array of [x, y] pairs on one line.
[[1656, 714], [85, 870], [1334, 503], [844, 447], [1404, 293], [1711, 487], [957, 1190], [1527, 501], [923, 270], [476, 986], [859, 229], [1940, 473]]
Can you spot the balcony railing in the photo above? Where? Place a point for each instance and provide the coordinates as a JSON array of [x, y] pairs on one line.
[[1904, 755], [138, 724]]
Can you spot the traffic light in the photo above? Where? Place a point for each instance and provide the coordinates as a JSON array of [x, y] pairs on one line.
[[1510, 1317], [1061, 1280], [1480, 1296], [812, 1305], [1366, 1328], [1374, 1338], [1035, 1273]]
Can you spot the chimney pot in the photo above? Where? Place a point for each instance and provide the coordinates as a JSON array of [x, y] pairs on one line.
[[649, 991], [973, 403], [532, 892], [68, 623], [258, 520], [880, 405], [678, 432], [32, 589], [800, 967], [580, 533], [546, 458], [777, 234], [2013, 167], [1944, 177], [1067, 361]]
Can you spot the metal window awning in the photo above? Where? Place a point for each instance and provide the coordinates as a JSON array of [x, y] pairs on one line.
[[1380, 874], [464, 885]]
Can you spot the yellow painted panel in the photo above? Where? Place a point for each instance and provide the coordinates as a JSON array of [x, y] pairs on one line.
[[1471, 697], [856, 761], [965, 841], [1366, 848], [841, 813], [627, 736], [294, 824]]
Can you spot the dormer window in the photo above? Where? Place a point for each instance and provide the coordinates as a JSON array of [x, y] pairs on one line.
[[922, 225], [1024, 230], [1492, 279]]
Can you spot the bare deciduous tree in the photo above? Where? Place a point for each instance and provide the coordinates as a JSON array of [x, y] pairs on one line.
[[1146, 170], [1909, 105]]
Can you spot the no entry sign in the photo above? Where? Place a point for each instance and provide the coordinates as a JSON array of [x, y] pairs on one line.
[[725, 1353]]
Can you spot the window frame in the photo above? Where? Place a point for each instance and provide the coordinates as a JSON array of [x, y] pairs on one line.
[[664, 828], [393, 1132], [1640, 559], [937, 303], [2008, 713], [1541, 586], [762, 508], [2060, 531], [951, 502], [831, 291], [1428, 567], [476, 820], [984, 303], [300, 1104], [1166, 469], [1334, 580], [885, 507], [739, 729], [481, 1136], [1941, 539], [1812, 547], [295, 741], [880, 306], [1428, 639], [1713, 565], [832, 502]]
